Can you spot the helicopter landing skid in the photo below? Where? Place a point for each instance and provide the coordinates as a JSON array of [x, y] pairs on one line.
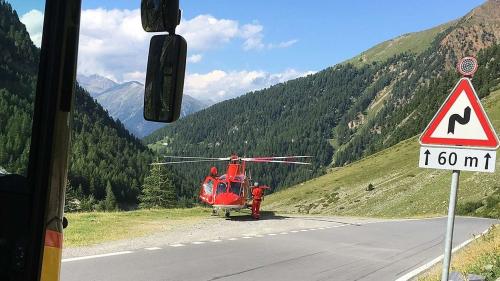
[[227, 209]]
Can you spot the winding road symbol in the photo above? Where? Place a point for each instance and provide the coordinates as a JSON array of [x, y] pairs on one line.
[[457, 118], [462, 106]]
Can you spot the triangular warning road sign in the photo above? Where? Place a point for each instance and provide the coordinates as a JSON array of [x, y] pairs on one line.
[[461, 121]]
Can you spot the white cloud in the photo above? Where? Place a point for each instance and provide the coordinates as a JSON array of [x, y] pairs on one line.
[[219, 85], [284, 44], [207, 32], [252, 33], [135, 76], [113, 44], [33, 20], [194, 58]]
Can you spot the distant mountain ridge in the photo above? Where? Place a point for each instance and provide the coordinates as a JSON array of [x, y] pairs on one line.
[[95, 84], [124, 101]]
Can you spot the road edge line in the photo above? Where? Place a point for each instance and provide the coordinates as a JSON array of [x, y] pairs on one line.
[[414, 273], [96, 256]]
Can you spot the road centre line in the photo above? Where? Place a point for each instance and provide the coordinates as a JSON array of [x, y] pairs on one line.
[[96, 256], [195, 243]]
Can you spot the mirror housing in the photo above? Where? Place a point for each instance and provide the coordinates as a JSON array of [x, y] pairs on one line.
[[165, 78], [160, 15]]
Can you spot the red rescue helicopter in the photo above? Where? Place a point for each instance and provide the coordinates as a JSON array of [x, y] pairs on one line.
[[232, 190]]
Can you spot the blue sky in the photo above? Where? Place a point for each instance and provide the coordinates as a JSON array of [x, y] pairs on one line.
[[281, 38]]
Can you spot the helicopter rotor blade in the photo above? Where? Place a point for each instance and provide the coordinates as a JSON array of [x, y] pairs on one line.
[[198, 158], [277, 161], [284, 158], [272, 159], [188, 161]]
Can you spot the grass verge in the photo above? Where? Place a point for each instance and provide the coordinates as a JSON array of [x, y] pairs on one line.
[[481, 257], [95, 227]]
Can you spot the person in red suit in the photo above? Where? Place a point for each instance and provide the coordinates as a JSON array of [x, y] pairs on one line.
[[257, 194]]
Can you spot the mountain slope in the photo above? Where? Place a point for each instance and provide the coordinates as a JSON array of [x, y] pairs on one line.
[[400, 188], [478, 29], [102, 150], [125, 102], [414, 43], [340, 114]]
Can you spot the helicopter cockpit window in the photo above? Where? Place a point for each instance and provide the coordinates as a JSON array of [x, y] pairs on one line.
[[221, 188], [208, 187], [236, 187]]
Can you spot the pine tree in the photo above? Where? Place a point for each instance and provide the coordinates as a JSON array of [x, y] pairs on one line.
[[71, 204], [158, 190], [110, 200]]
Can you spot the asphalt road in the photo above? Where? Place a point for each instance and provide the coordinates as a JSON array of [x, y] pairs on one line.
[[373, 251]]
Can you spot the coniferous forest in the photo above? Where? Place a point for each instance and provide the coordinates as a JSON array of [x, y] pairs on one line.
[[338, 115], [103, 151]]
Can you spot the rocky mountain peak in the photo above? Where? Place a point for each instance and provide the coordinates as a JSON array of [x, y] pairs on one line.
[[478, 29]]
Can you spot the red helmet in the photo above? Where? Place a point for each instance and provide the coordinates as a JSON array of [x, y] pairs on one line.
[[213, 171]]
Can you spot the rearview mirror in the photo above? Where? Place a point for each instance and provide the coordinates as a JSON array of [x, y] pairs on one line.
[[165, 78], [160, 15]]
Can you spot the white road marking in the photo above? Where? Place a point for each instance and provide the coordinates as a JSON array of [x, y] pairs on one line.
[[284, 233], [304, 230], [271, 234], [177, 245], [426, 266], [321, 228], [232, 239], [198, 242], [294, 231], [96, 256], [216, 240], [259, 235], [312, 229], [246, 237], [152, 248]]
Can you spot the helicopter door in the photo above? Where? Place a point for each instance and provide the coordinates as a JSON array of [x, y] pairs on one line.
[[207, 190]]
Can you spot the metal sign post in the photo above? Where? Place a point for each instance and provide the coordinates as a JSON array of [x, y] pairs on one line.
[[460, 137], [450, 225]]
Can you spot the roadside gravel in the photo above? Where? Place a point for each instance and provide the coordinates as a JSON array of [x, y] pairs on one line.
[[212, 228]]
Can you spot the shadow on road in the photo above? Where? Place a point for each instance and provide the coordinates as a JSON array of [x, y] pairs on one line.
[[264, 215]]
